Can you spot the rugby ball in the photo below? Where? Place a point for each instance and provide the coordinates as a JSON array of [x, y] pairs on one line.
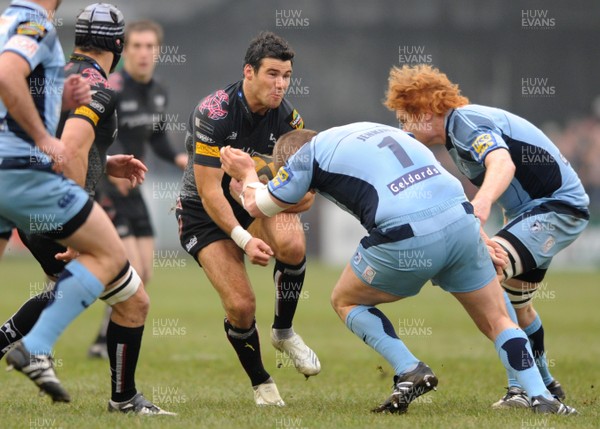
[[264, 166]]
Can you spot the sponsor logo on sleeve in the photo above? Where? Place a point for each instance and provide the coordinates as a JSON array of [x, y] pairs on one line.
[[97, 106], [297, 121], [88, 113], [32, 29], [206, 150], [204, 138], [483, 142], [282, 177], [23, 44]]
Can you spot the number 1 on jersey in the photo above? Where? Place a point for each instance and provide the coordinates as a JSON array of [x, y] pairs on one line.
[[397, 150]]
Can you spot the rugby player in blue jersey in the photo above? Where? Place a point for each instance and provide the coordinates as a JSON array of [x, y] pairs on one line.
[[377, 173], [514, 164], [47, 205]]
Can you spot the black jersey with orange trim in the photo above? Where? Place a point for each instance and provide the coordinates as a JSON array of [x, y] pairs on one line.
[[100, 113], [224, 119]]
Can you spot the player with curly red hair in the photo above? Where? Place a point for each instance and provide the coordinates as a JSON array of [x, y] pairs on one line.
[[513, 163]]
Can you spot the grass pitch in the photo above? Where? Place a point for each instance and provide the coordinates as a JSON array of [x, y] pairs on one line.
[[187, 365]]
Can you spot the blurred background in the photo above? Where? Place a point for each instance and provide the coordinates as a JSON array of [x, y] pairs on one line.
[[538, 59]]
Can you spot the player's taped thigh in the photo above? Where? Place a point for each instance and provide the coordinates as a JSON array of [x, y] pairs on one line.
[[123, 287], [518, 264], [520, 259], [520, 298]]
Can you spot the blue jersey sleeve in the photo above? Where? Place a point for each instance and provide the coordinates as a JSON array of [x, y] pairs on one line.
[[477, 135], [293, 180], [31, 40]]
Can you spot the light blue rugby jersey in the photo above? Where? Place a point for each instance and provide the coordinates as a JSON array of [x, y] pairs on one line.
[[375, 172], [26, 30], [542, 172]]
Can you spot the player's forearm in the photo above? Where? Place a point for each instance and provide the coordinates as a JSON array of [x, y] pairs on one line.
[[259, 203], [219, 210], [497, 179], [15, 95], [76, 170]]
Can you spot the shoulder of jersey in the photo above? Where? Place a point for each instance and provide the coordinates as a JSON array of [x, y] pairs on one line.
[[215, 106], [291, 115], [35, 28], [96, 80]]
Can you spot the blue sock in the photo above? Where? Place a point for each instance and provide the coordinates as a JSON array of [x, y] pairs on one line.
[[510, 374], [535, 333], [75, 290], [514, 351], [370, 325]]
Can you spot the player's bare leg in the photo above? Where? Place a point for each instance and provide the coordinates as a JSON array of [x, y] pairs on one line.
[[354, 302], [138, 254], [82, 281], [99, 349], [223, 263], [285, 234]]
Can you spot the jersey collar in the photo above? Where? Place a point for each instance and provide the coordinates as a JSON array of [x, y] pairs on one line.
[[239, 94], [81, 58], [448, 143]]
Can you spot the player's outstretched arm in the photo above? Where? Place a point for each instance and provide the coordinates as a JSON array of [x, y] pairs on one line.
[[499, 173]]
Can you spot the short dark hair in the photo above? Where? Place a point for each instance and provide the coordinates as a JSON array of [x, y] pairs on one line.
[[268, 45], [88, 48], [144, 25], [290, 143]]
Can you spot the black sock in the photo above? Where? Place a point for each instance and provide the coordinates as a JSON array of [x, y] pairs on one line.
[[289, 280], [22, 321], [123, 345], [247, 346], [537, 342]]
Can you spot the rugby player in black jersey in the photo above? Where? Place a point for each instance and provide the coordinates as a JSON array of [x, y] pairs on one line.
[[87, 132], [141, 103], [250, 115]]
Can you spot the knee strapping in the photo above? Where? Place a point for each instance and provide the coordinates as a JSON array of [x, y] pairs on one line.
[[123, 287]]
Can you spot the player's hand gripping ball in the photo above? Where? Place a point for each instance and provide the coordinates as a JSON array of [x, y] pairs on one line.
[[264, 166]]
